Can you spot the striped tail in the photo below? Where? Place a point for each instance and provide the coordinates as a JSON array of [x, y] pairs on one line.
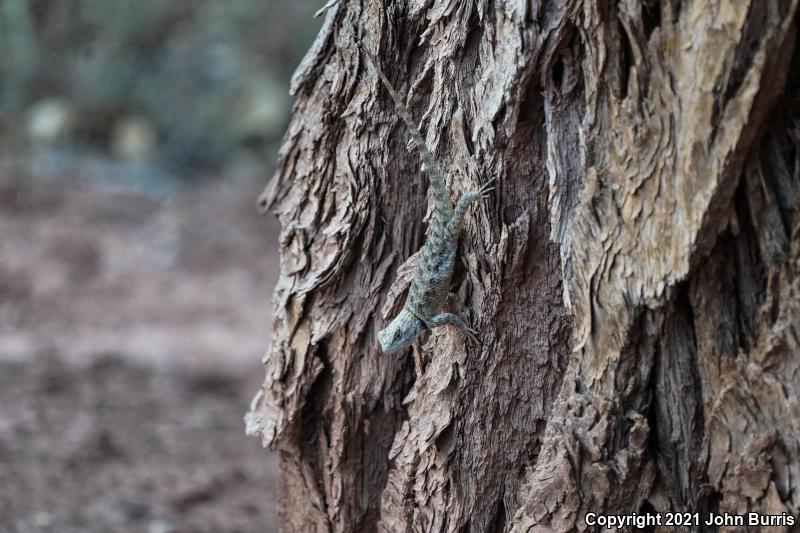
[[442, 207]]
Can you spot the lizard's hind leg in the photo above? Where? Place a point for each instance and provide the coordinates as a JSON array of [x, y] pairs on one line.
[[464, 202]]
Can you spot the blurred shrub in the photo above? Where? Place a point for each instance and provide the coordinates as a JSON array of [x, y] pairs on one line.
[[209, 78]]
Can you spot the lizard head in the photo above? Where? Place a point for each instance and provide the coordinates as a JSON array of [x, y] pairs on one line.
[[401, 332]]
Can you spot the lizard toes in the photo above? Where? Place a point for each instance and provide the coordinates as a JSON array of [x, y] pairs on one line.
[[487, 187]]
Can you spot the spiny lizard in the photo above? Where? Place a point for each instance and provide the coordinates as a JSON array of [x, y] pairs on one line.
[[431, 283]]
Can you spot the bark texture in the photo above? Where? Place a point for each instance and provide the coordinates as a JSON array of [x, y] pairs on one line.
[[635, 278]]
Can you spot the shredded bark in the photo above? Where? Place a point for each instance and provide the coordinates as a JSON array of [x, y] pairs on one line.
[[634, 278]]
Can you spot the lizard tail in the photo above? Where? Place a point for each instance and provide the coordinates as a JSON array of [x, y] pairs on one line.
[[441, 196]]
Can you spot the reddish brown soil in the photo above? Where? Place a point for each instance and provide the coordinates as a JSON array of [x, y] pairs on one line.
[[131, 331]]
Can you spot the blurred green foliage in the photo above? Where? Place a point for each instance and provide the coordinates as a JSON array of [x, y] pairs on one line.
[[209, 78]]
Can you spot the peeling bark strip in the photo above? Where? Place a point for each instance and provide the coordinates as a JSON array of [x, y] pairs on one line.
[[635, 281]]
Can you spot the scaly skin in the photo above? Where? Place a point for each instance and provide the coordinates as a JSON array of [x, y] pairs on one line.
[[431, 283]]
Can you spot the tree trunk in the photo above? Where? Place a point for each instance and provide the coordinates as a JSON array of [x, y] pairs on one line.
[[635, 277]]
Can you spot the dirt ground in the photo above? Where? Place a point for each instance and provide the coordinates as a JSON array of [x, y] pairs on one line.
[[132, 323]]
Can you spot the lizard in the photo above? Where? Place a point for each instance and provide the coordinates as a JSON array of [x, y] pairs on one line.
[[430, 286]]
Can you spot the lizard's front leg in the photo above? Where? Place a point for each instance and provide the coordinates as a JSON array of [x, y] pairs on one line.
[[445, 319]]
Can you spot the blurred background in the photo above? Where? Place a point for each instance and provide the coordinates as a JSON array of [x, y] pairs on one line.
[[135, 272]]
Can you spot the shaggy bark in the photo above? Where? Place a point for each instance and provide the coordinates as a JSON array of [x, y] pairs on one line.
[[635, 278]]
